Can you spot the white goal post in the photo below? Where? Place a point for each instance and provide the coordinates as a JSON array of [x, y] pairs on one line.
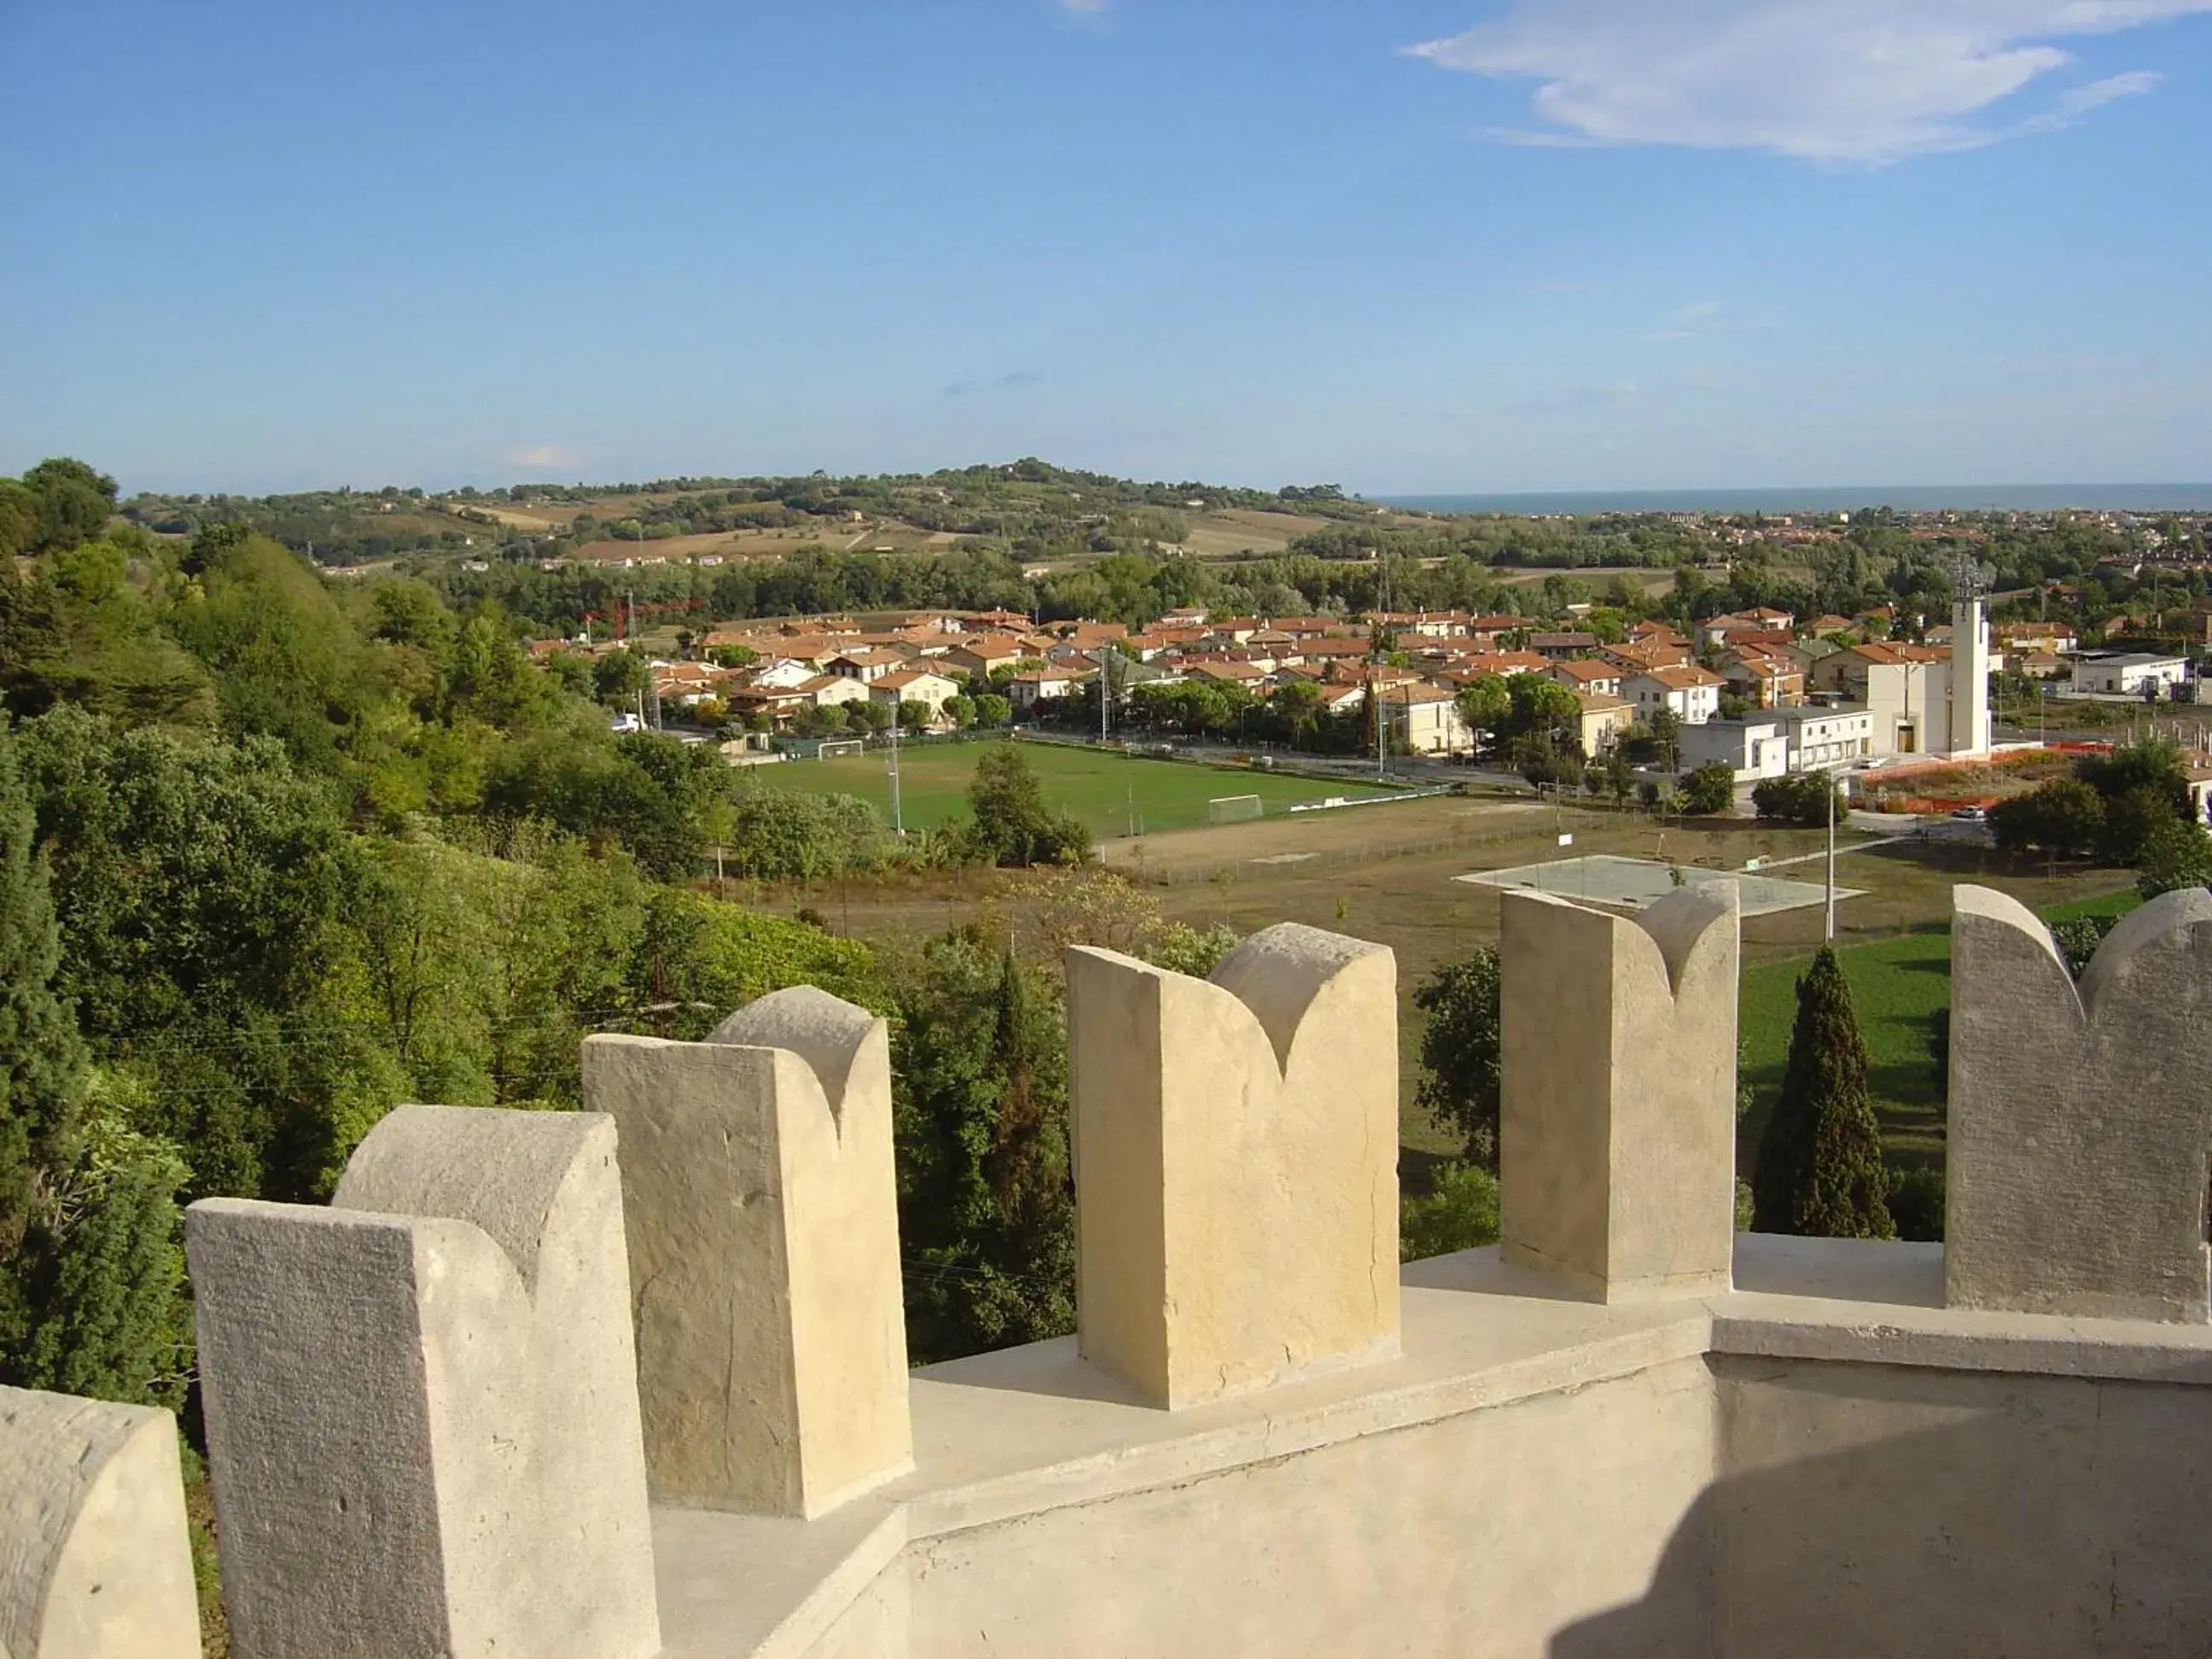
[[1232, 809], [837, 747]]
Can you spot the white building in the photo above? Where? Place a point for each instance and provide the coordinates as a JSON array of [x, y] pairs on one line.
[[1753, 748], [1694, 693], [2129, 676], [1775, 741], [1818, 739]]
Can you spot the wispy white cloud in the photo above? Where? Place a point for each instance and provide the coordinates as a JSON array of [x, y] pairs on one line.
[[1577, 400], [1017, 382], [1846, 81], [545, 458], [1693, 322]]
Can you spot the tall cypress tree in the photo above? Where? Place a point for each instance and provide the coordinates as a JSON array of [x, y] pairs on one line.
[[1819, 1171], [43, 1065]]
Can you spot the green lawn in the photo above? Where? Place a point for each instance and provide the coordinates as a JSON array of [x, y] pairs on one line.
[[1898, 985], [1110, 794]]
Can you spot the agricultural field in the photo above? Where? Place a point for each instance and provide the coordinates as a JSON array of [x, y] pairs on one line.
[[757, 543], [1113, 795], [1213, 535]]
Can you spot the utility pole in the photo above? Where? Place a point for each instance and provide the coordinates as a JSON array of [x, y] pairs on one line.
[[1105, 691]]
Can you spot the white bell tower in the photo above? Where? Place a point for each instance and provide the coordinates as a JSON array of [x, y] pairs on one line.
[[1970, 666]]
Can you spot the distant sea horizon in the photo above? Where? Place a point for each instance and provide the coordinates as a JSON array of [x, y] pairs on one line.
[[1920, 498]]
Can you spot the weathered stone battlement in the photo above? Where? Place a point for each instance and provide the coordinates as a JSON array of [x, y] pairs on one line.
[[441, 1410]]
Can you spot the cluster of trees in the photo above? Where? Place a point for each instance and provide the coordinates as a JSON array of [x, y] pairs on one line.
[[56, 506], [275, 856], [2131, 806], [220, 980], [1803, 798]]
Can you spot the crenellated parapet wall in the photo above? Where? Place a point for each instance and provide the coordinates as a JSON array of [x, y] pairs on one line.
[[2080, 1114], [422, 1403], [762, 1207], [95, 1563], [1617, 1116], [631, 1381], [1236, 1162]]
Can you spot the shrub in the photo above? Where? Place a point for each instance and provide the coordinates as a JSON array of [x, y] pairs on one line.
[[2063, 816], [1800, 799], [1460, 1213], [1710, 789], [1916, 1203]]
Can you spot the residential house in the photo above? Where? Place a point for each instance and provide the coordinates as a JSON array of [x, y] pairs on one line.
[[1592, 675], [914, 685], [1605, 719], [865, 663], [2056, 638], [1694, 693], [1764, 679], [1641, 656], [1763, 618], [1246, 674], [978, 655], [1032, 686], [827, 690], [780, 672], [1560, 646], [1424, 720], [1424, 624]]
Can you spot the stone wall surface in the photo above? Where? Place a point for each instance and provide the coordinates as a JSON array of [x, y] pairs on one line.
[[1617, 1112], [94, 1562], [762, 1204], [1482, 1535], [1236, 1162], [2080, 1116], [420, 1403], [1882, 1509]]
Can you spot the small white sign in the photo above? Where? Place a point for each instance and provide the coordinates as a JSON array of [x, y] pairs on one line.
[[1566, 841]]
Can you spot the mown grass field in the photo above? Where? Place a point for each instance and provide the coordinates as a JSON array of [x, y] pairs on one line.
[[1898, 985], [1111, 795]]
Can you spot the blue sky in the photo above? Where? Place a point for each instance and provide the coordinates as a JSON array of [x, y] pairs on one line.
[[1457, 244]]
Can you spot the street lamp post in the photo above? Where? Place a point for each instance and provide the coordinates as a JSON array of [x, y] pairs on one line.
[[1830, 934]]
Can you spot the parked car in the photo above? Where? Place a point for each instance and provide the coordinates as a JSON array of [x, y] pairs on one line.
[[1970, 814]]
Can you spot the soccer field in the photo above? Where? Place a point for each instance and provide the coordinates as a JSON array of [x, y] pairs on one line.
[[1111, 795]]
